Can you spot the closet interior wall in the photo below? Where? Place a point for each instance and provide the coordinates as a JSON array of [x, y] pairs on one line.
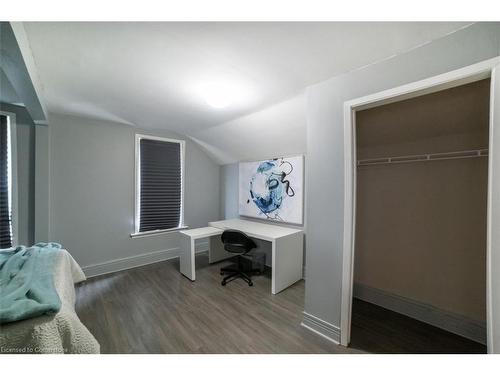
[[421, 226]]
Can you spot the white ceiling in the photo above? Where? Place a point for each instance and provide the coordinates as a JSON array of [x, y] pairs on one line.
[[146, 74]]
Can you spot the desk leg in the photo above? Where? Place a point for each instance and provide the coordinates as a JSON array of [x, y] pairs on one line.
[[187, 265], [287, 261]]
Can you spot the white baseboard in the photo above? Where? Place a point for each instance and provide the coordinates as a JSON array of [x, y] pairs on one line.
[[130, 262], [321, 327], [139, 260], [432, 315]]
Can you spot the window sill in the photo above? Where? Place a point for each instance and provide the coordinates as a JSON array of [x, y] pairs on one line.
[[157, 232]]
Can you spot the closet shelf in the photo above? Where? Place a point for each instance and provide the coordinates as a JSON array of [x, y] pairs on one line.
[[466, 154]]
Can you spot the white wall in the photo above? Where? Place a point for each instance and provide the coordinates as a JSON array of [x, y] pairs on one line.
[[92, 190], [325, 149]]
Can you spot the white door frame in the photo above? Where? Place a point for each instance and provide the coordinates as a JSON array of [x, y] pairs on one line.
[[451, 79]]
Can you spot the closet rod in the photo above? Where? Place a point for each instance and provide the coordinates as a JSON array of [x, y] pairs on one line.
[[466, 154]]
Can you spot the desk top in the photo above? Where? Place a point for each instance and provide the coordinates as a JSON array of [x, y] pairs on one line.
[[254, 229], [201, 232]]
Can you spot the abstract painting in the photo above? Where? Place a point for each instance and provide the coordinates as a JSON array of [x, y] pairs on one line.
[[272, 189]]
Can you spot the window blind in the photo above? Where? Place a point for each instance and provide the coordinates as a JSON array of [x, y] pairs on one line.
[[5, 211], [160, 185]]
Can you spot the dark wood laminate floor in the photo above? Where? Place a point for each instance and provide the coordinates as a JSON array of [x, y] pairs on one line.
[[154, 309], [378, 330]]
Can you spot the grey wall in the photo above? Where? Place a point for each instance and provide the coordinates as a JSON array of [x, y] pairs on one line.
[[25, 129], [92, 190], [325, 172], [229, 191], [42, 180], [26, 183]]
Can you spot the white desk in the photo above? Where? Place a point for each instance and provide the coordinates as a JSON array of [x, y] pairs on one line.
[[216, 250], [287, 248]]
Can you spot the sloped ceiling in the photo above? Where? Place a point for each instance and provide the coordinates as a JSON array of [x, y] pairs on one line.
[[147, 74]]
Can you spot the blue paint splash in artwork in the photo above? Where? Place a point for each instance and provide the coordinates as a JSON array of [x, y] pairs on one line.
[[269, 186], [265, 166]]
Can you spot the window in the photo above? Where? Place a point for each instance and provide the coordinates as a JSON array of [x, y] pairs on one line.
[[8, 196], [159, 184]]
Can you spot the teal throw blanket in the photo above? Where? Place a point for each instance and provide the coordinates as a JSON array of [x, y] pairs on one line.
[[27, 282]]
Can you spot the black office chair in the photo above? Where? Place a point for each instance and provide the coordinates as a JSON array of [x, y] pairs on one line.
[[238, 243]]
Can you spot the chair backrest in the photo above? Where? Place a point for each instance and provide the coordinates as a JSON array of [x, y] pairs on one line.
[[237, 242]]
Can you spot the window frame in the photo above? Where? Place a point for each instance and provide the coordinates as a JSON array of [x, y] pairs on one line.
[[14, 203], [137, 185]]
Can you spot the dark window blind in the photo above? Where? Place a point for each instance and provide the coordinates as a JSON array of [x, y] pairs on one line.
[[160, 185], [5, 214]]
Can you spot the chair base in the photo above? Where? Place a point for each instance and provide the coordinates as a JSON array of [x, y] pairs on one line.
[[234, 273]]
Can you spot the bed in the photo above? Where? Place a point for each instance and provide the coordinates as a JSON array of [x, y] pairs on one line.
[[59, 333]]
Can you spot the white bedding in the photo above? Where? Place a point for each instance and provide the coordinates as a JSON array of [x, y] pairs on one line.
[[60, 333]]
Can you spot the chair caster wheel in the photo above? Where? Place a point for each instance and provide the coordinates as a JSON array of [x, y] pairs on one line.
[[223, 283], [250, 284]]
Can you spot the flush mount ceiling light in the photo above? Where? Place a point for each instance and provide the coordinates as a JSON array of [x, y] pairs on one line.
[[221, 95], [217, 95]]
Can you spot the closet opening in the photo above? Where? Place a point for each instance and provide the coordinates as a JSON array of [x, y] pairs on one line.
[[419, 267]]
